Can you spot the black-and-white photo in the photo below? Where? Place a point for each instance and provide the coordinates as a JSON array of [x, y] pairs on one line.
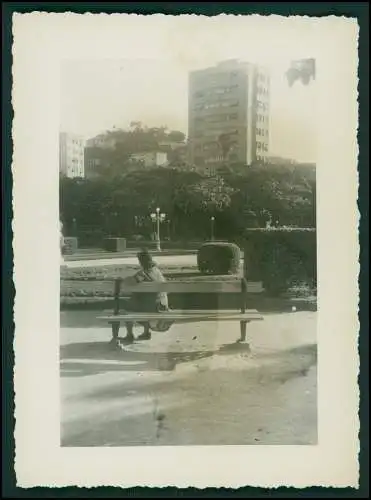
[[188, 251], [186, 254]]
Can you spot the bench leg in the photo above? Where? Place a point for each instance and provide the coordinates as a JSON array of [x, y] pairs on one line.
[[115, 330], [243, 325]]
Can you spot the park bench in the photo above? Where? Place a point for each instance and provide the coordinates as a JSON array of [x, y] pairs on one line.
[[240, 287]]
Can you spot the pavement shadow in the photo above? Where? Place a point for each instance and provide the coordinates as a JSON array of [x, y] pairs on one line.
[[92, 358]]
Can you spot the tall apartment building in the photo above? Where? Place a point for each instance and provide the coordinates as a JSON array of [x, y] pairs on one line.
[[228, 115], [71, 155]]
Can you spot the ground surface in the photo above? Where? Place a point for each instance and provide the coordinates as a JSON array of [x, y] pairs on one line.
[[168, 260], [190, 386]]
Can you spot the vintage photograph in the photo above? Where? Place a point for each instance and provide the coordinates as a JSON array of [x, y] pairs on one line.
[[188, 292], [186, 255]]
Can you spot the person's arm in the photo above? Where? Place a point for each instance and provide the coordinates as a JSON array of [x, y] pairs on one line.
[[162, 298], [158, 275], [134, 279]]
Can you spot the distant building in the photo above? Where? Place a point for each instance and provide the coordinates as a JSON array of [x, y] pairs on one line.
[[71, 155], [172, 145], [228, 115], [92, 166], [279, 160], [151, 158], [103, 141]]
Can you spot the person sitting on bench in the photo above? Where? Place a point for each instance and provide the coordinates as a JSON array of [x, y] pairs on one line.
[[146, 302]]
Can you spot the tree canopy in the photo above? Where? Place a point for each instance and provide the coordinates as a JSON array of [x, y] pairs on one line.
[[113, 159], [237, 197]]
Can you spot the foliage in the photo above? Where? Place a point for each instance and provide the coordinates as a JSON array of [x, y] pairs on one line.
[[114, 158], [281, 257], [303, 69], [237, 197], [219, 258]]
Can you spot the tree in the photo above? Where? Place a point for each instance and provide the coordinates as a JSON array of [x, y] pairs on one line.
[[176, 136], [303, 69], [242, 198], [115, 159]]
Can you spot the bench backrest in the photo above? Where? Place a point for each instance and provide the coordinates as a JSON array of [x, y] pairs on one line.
[[118, 288]]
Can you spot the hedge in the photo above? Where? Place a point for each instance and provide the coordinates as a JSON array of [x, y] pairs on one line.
[[281, 257]]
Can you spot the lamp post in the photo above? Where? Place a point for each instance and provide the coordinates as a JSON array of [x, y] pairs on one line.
[[74, 227], [158, 218], [212, 222]]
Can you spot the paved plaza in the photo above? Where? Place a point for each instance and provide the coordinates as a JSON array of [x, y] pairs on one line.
[[186, 260], [190, 386]]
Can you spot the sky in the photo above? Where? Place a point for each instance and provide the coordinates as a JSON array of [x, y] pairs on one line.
[[99, 94]]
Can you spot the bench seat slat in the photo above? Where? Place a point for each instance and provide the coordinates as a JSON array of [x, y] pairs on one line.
[[93, 286], [107, 287], [212, 316], [193, 287], [209, 311]]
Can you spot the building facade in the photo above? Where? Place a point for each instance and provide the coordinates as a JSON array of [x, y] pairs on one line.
[[103, 141], [150, 159], [228, 114], [71, 155]]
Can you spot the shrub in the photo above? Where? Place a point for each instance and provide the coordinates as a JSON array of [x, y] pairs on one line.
[[70, 245], [281, 257], [114, 244], [281, 269], [219, 258]]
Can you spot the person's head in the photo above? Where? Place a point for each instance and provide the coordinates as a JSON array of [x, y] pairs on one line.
[[145, 259]]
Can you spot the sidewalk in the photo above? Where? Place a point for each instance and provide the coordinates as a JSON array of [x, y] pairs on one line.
[[96, 254], [192, 386], [114, 259]]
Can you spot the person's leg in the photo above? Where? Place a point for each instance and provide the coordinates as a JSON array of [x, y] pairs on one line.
[[129, 339], [146, 335], [128, 306]]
